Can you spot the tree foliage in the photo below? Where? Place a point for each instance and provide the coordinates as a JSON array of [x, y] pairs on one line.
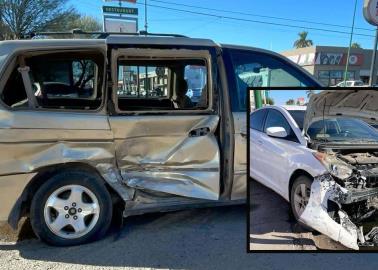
[[303, 42], [21, 17], [290, 102], [269, 101], [356, 45], [85, 23]]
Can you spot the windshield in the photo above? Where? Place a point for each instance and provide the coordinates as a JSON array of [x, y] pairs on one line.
[[298, 116], [358, 83], [342, 130]]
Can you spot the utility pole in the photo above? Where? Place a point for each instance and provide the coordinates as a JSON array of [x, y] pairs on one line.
[[373, 75], [145, 16], [350, 41]]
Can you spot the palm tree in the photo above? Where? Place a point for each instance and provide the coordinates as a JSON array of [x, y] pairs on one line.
[[356, 45], [303, 42]]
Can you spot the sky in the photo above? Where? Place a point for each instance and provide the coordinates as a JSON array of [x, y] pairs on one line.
[[273, 37], [309, 13], [281, 96]]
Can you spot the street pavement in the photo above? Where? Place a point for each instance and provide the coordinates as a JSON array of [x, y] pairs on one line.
[[213, 238], [272, 226]]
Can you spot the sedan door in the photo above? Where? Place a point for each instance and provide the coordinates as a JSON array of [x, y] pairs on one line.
[[277, 151], [256, 153]]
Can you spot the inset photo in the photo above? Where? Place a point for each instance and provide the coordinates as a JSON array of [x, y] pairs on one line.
[[313, 167]]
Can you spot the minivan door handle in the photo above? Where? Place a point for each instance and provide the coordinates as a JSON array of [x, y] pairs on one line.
[[199, 132]]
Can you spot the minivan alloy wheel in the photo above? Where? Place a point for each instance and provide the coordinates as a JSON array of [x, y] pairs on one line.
[[71, 211], [301, 197]]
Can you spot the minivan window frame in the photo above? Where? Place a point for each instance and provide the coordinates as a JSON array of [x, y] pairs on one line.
[[212, 75], [231, 76], [12, 63]]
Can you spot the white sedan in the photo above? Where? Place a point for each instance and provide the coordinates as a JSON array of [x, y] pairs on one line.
[[329, 169]]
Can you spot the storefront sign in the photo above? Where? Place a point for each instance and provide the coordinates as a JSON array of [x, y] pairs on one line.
[[338, 59], [325, 58], [303, 59], [371, 11], [120, 10]]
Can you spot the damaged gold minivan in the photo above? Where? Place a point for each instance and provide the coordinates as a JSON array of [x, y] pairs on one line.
[[148, 123]]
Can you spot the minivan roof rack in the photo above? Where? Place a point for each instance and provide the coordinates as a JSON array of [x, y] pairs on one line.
[[100, 35]]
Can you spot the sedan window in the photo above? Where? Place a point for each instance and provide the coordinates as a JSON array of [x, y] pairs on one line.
[[276, 119], [257, 120]]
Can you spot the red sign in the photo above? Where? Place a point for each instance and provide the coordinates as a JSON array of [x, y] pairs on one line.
[[339, 59]]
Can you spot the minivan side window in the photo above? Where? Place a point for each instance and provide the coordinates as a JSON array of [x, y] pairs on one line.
[[71, 81], [169, 84], [276, 119], [257, 69], [257, 120]]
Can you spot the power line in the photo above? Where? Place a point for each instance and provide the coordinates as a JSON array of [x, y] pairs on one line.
[[252, 21], [259, 15]]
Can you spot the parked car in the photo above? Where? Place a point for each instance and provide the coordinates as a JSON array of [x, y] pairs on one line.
[[69, 161], [357, 83], [329, 171], [298, 113]]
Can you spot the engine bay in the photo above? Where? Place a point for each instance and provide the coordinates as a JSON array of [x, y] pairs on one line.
[[355, 170]]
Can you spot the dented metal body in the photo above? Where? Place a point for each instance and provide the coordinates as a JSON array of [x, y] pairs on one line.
[[154, 161], [345, 199]]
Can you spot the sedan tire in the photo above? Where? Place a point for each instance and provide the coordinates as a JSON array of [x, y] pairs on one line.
[[300, 195]]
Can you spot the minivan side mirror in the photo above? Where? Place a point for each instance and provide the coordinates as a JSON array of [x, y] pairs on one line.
[[277, 132]]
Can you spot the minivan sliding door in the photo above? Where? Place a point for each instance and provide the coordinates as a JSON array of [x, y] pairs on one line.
[[165, 123]]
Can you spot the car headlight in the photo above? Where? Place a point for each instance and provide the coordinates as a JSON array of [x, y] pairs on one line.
[[335, 166]]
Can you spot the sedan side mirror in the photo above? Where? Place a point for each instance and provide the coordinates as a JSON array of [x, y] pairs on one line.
[[277, 132]]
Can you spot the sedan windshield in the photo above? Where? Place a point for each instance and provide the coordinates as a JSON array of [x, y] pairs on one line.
[[342, 130]]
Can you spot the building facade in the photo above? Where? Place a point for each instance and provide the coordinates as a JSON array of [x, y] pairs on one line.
[[328, 63]]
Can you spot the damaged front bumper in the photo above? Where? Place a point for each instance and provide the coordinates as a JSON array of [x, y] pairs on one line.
[[337, 225]]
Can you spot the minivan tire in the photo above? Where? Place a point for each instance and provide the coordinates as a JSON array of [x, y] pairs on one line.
[[61, 196]]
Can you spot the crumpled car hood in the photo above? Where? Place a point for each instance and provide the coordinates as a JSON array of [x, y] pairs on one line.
[[359, 104]]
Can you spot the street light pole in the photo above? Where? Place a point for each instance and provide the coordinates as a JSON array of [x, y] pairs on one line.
[[350, 42]]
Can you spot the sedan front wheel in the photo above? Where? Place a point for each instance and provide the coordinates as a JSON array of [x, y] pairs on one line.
[[300, 195]]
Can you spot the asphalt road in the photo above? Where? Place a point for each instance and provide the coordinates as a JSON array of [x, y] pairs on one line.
[[213, 238], [272, 226]]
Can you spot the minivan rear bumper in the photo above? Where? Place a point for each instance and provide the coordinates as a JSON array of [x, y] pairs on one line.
[[11, 188]]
